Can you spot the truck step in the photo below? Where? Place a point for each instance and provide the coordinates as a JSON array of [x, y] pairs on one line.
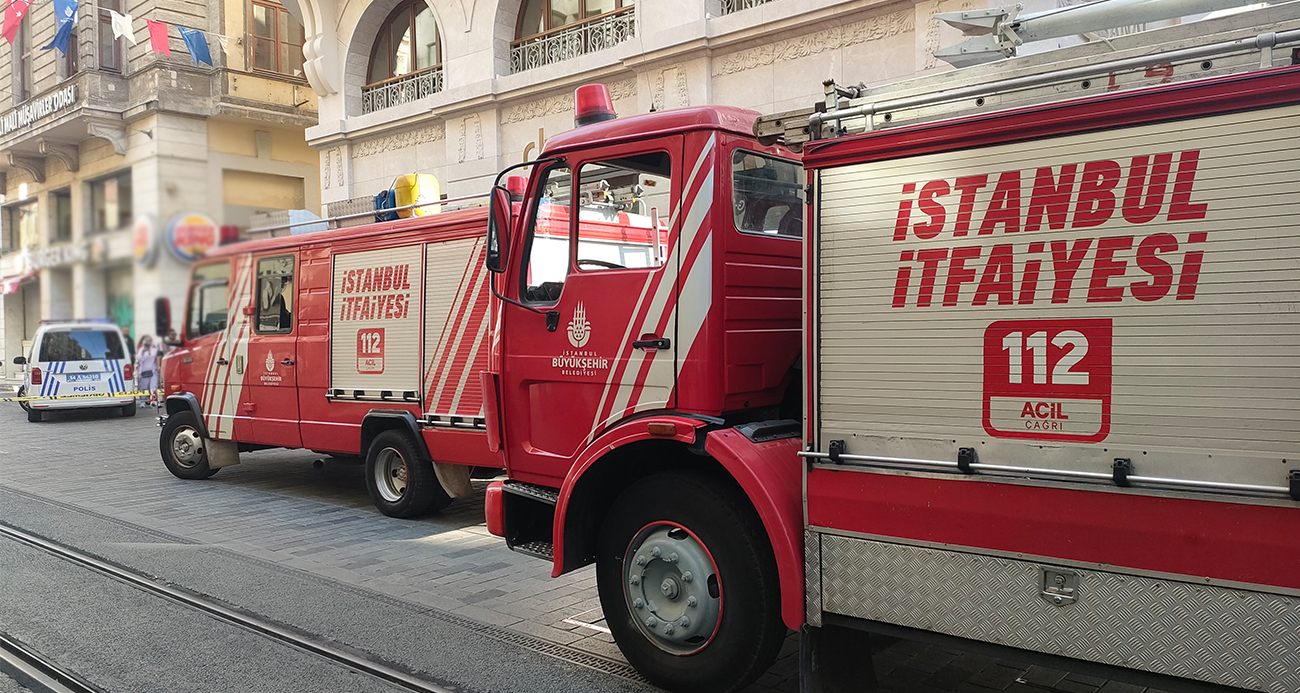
[[537, 549], [542, 494]]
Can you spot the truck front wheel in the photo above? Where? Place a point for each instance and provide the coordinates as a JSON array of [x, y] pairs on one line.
[[688, 584], [184, 450], [401, 482]]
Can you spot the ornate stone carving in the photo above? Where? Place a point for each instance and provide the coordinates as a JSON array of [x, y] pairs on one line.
[[33, 165], [621, 89], [401, 140], [470, 126], [114, 132], [67, 153], [325, 168], [338, 164], [675, 78], [871, 29]]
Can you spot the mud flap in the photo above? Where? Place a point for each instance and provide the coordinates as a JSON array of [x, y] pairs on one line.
[[222, 453], [834, 659], [454, 478]]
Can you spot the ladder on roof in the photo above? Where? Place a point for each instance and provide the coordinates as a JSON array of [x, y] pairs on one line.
[[857, 109]]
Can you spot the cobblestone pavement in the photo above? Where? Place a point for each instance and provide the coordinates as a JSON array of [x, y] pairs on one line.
[[279, 507]]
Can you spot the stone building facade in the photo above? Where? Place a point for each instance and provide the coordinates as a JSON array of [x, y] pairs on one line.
[[502, 79], [114, 138]]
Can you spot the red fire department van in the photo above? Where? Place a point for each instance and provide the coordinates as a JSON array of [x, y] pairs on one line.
[[385, 340], [1051, 380]]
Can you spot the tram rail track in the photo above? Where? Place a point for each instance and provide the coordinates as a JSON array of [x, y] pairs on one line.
[[23, 659], [36, 672]]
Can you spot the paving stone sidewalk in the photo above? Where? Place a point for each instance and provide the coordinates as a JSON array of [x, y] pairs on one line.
[[280, 507]]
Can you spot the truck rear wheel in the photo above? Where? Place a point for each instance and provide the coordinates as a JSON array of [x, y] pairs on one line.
[[184, 450], [401, 481], [688, 584]]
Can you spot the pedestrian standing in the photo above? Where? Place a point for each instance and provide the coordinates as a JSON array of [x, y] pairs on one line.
[[147, 359], [130, 343]]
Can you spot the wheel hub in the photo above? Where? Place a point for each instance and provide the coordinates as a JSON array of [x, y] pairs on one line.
[[391, 475], [187, 447], [672, 588]]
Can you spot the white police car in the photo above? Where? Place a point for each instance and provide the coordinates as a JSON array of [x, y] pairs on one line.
[[88, 360]]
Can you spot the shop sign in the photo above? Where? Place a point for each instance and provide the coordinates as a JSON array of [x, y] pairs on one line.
[[58, 256], [144, 240], [36, 109], [191, 235]]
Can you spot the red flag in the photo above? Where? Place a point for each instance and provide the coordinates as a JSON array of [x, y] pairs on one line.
[[158, 37], [13, 18]]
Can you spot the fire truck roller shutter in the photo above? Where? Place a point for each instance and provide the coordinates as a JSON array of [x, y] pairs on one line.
[[455, 331], [375, 322], [1059, 303]]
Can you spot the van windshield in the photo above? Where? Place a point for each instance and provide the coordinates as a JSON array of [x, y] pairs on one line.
[[81, 345]]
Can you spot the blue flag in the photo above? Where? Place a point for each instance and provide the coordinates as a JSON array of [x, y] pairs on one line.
[[65, 13], [196, 42]]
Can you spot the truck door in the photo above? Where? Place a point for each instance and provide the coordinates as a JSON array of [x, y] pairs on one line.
[[598, 270], [268, 406]]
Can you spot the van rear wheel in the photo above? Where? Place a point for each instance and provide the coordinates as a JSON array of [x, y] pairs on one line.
[[184, 450], [128, 409], [688, 584], [400, 479], [33, 415]]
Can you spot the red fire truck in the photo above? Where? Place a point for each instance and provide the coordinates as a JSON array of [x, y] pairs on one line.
[[1051, 379]]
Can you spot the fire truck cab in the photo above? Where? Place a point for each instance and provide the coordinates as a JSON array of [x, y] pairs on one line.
[[628, 373]]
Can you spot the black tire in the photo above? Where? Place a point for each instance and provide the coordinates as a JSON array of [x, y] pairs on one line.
[[128, 409], [34, 415], [749, 631], [22, 392], [400, 479], [184, 424]]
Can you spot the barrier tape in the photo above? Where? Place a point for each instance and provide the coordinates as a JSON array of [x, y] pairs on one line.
[[91, 395]]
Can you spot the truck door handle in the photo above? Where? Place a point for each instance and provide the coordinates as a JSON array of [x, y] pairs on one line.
[[657, 343], [286, 361], [222, 362]]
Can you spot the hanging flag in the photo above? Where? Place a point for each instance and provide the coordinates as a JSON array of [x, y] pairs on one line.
[[14, 13], [158, 37], [65, 13], [122, 27], [197, 43], [224, 43]]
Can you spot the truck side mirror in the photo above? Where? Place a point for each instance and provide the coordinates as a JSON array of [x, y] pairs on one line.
[[498, 234], [162, 317], [19, 361]]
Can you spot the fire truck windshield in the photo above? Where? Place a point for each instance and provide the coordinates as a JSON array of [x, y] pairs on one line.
[[622, 221]]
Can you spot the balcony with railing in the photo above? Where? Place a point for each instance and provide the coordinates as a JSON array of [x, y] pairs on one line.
[[400, 90], [595, 34], [729, 6]]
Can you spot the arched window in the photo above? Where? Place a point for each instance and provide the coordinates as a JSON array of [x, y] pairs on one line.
[[407, 43], [541, 16]]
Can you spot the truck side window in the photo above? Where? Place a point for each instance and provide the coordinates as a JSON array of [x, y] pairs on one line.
[[767, 194], [207, 305], [547, 247], [624, 207], [275, 295]]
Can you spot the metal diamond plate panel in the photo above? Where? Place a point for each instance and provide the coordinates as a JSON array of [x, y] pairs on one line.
[[812, 570], [1228, 636]]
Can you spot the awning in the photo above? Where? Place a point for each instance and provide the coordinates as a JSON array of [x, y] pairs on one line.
[[10, 285]]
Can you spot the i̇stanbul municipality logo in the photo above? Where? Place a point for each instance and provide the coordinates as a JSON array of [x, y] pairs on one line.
[[270, 362], [579, 328]]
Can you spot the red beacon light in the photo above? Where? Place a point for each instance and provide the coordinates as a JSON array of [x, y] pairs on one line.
[[517, 185], [592, 104]]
